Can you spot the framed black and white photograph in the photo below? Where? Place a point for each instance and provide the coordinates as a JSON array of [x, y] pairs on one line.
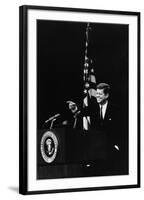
[[79, 99]]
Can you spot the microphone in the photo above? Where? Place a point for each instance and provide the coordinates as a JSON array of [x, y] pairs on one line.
[[53, 117]]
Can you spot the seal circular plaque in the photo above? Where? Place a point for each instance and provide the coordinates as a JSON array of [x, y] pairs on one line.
[[49, 146]]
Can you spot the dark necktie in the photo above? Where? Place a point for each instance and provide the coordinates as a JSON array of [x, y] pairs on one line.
[[101, 116]]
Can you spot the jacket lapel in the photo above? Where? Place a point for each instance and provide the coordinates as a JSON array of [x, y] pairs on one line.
[[108, 112]]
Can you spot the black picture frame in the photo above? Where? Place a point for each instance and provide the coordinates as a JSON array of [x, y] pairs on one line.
[[24, 104]]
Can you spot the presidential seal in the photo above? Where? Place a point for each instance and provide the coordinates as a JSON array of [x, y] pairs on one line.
[[49, 146]]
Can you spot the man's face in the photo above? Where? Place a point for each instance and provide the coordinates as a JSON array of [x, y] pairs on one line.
[[101, 96]]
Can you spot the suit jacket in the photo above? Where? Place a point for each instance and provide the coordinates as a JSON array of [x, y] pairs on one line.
[[111, 124]]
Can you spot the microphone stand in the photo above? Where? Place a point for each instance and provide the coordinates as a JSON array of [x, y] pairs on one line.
[[51, 125]]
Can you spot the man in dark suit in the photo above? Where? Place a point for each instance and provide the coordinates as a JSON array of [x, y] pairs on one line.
[[105, 121], [104, 135], [104, 116]]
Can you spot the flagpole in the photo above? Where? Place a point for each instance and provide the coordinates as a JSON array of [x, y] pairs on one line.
[[86, 119]]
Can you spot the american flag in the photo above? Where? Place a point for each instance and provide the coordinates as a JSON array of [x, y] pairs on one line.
[[89, 79]]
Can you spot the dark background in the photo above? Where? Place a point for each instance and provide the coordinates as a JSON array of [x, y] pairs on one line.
[[60, 61]]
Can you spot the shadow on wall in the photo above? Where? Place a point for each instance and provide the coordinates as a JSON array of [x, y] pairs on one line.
[[14, 189]]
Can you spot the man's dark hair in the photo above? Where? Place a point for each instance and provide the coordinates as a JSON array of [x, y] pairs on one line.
[[104, 86]]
